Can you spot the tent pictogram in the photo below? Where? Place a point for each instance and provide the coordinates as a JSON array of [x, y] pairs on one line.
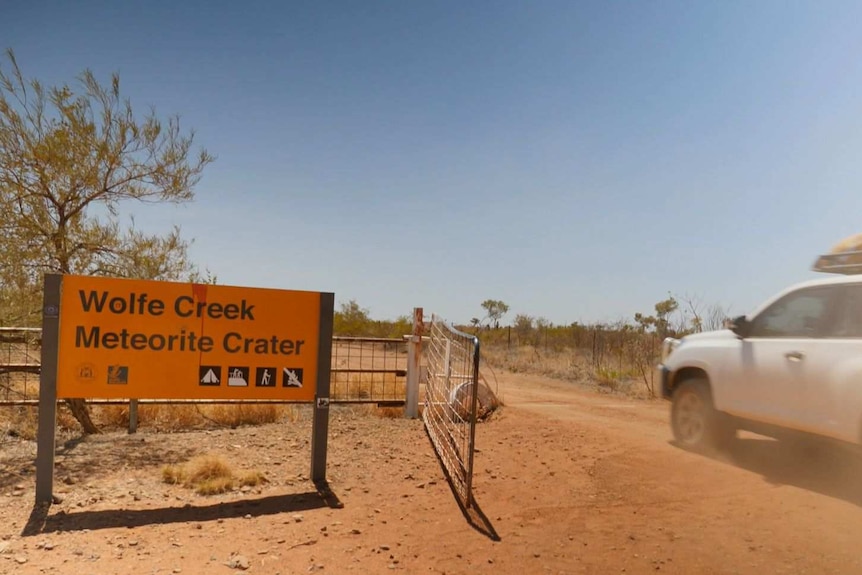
[[210, 375]]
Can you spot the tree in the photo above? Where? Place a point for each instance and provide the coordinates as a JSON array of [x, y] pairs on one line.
[[70, 157], [663, 309], [523, 325], [495, 310], [351, 319]]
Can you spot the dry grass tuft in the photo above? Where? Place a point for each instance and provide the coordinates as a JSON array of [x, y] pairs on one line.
[[238, 414], [214, 486], [205, 468], [21, 421], [173, 474], [252, 479], [389, 412], [208, 475], [372, 410], [384, 386]]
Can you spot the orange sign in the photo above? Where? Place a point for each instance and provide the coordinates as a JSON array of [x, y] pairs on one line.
[[142, 339]]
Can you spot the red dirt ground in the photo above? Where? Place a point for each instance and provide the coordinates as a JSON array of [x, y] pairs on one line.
[[567, 481]]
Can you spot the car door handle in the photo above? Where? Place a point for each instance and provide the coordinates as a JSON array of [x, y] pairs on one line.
[[794, 355]]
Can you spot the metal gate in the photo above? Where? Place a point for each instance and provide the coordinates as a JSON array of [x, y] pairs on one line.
[[369, 370], [450, 404]]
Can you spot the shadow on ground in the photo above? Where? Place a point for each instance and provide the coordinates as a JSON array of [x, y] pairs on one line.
[[472, 513], [41, 521], [819, 466], [90, 456]]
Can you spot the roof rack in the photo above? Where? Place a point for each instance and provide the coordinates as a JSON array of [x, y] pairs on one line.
[[847, 263]]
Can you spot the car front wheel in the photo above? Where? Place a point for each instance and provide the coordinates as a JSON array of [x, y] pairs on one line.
[[695, 422]]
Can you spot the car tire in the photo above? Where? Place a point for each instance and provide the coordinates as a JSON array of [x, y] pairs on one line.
[[696, 424]]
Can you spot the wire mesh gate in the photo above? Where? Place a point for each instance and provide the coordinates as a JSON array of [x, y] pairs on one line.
[[450, 404], [368, 370]]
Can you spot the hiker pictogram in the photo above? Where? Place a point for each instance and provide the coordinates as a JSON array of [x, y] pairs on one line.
[[265, 377]]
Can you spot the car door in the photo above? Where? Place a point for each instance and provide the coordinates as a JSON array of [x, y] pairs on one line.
[[780, 354], [833, 403]]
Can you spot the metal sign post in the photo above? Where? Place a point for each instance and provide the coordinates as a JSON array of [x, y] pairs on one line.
[[48, 389], [320, 420]]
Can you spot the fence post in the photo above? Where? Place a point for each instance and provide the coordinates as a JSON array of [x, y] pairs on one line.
[[414, 362], [133, 416]]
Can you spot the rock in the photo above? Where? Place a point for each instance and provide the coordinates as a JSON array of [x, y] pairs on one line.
[[238, 562], [298, 518], [20, 560], [57, 498]]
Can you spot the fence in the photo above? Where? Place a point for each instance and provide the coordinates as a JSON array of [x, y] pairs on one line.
[[368, 370], [451, 402], [20, 349], [364, 370]]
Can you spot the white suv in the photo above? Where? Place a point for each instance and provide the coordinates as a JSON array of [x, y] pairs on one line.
[[794, 365]]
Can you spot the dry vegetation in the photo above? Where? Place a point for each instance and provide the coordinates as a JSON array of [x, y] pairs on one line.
[[617, 364], [209, 475], [617, 357], [22, 421]]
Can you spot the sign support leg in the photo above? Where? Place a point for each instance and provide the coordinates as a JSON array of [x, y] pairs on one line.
[[46, 435], [320, 423]]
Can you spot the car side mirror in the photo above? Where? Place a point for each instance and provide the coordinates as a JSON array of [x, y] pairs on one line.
[[740, 326]]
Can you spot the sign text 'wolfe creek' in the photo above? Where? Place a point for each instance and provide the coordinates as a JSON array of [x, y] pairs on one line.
[[185, 307]]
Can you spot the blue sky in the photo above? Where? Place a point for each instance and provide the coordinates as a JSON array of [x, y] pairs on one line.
[[577, 160]]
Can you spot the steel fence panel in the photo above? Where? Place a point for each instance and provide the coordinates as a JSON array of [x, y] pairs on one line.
[[450, 405]]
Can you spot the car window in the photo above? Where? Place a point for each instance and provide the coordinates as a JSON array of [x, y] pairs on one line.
[[848, 321], [799, 314]]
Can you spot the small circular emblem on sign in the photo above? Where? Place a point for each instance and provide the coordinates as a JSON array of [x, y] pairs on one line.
[[85, 372]]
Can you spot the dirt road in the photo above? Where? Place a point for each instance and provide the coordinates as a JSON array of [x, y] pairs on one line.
[[567, 481]]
